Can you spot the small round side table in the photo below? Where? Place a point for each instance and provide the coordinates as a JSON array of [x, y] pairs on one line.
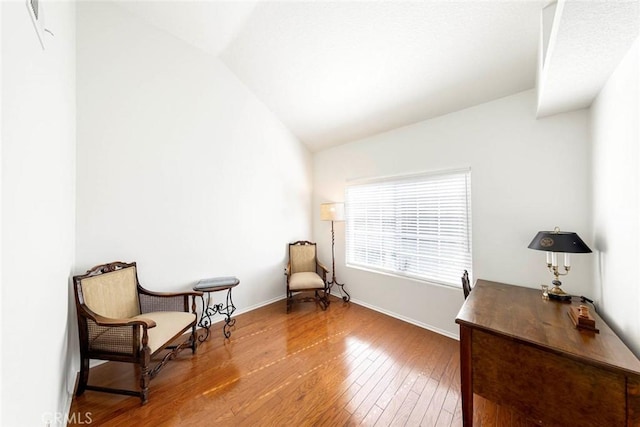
[[209, 286]]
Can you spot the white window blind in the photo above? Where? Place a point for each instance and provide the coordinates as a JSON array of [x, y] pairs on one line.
[[417, 226]]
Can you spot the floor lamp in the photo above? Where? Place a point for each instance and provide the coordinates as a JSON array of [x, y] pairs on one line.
[[334, 212]]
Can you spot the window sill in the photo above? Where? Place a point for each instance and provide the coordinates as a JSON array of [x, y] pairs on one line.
[[406, 277]]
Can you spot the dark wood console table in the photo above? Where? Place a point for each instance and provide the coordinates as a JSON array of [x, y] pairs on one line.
[[520, 350]]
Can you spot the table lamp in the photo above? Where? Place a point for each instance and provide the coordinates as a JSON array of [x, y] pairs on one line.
[[554, 242]]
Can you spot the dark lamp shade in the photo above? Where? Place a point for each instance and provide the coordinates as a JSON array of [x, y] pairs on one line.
[[559, 241]]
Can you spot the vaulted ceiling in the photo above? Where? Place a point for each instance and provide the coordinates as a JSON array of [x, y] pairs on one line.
[[336, 71]]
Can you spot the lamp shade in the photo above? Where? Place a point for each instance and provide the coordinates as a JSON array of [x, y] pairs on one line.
[[332, 211], [559, 241]]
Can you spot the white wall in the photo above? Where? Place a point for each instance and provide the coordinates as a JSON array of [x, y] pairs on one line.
[[527, 175], [615, 121], [180, 167], [38, 211], [1, 240]]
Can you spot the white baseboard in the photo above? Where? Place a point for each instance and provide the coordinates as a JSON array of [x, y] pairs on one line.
[[408, 320], [431, 328], [250, 308], [261, 304], [67, 409]]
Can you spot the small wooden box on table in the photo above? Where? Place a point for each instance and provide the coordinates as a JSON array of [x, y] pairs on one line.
[[520, 350], [209, 286]]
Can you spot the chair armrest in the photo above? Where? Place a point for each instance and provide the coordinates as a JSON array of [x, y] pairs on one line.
[[321, 266], [322, 270], [287, 270], [109, 322], [99, 334]]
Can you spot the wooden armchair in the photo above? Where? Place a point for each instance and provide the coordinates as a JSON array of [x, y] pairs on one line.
[[306, 274], [119, 320]]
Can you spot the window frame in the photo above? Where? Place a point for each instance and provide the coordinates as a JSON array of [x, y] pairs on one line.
[[449, 277]]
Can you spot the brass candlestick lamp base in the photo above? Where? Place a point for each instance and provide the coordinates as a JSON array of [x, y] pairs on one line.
[[557, 293]]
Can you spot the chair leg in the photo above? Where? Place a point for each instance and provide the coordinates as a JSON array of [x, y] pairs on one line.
[[84, 376], [145, 376], [194, 340], [322, 301]]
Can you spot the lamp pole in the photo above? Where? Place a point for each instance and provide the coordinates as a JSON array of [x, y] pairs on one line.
[[346, 297], [334, 212]]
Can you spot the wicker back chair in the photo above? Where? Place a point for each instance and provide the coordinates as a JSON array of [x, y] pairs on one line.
[[306, 274], [466, 284], [119, 320]]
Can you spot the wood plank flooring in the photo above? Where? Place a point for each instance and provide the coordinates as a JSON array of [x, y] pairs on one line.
[[347, 365]]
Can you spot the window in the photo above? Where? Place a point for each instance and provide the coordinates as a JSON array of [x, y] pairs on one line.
[[417, 226]]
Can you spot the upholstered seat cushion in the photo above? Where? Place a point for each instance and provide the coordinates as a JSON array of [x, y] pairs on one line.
[[305, 280], [168, 324]]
